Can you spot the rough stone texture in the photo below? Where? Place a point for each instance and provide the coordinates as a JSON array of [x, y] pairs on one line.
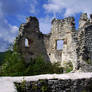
[[57, 85], [63, 30], [77, 44], [36, 46], [69, 82]]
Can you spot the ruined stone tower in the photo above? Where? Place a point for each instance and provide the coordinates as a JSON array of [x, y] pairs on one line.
[[31, 41], [76, 45]]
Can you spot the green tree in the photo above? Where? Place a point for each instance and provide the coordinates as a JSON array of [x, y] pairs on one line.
[[13, 64]]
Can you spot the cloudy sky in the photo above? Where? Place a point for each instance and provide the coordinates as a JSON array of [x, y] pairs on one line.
[[14, 12]]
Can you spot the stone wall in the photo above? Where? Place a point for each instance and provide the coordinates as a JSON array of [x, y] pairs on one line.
[[85, 41], [35, 46], [69, 82], [56, 85], [77, 44], [63, 30]]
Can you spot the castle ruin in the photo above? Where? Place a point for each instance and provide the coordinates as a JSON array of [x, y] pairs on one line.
[[76, 45]]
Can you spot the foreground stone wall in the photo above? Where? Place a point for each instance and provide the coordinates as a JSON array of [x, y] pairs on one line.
[[70, 82], [56, 85]]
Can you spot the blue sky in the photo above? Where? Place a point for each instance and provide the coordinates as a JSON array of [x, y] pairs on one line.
[[14, 12]]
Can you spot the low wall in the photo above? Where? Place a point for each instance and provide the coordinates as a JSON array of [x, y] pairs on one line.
[[71, 82], [56, 85], [76, 83]]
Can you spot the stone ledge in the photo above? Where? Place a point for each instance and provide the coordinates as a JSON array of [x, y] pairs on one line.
[[7, 83]]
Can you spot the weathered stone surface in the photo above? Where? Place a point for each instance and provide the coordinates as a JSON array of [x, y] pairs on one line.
[[36, 47], [70, 82], [57, 85], [77, 44]]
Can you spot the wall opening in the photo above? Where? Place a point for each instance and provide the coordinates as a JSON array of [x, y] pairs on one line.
[[26, 43], [59, 44]]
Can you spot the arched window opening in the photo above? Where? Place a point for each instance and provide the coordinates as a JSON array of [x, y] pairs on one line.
[[26, 43]]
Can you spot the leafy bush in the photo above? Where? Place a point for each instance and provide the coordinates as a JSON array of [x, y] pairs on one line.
[[21, 87], [14, 65], [2, 56], [39, 66]]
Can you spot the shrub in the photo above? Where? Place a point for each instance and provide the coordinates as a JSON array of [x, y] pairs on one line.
[[88, 61], [21, 87], [68, 67], [39, 66], [13, 65]]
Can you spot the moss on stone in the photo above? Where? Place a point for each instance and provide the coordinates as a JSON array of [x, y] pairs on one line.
[[34, 86], [88, 61], [84, 91], [44, 88], [68, 67]]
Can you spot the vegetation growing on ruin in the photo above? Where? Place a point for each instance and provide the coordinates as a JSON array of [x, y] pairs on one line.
[[14, 65], [2, 56], [88, 61], [68, 67], [21, 87], [33, 86]]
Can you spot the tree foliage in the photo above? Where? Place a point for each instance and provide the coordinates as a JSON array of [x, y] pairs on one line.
[[39, 66], [14, 65]]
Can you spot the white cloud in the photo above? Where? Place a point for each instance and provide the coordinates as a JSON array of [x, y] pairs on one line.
[[53, 6], [33, 6], [8, 32], [71, 6], [14, 29]]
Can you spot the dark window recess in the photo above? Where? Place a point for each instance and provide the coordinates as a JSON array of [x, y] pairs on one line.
[[40, 36], [59, 44], [30, 42], [91, 16]]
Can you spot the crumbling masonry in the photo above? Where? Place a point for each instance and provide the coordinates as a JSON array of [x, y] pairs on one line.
[[76, 44]]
